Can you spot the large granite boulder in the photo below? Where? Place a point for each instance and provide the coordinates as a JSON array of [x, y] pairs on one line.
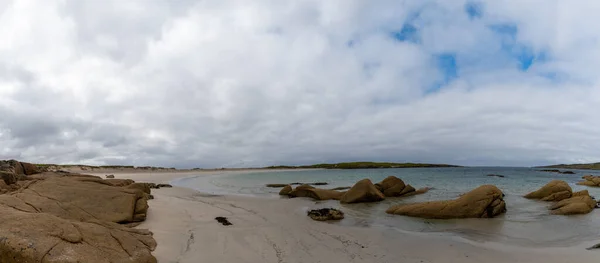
[[8, 178], [83, 199], [483, 202], [590, 180], [580, 204], [555, 190], [27, 235], [315, 193], [362, 191], [286, 190], [393, 186], [18, 168]]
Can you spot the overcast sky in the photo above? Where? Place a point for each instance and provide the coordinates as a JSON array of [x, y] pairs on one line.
[[230, 83]]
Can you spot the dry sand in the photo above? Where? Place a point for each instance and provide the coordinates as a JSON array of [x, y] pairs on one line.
[[278, 230]]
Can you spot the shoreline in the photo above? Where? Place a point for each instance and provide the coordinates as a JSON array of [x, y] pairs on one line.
[[277, 230]]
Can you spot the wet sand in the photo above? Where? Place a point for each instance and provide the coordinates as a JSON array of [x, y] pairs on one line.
[[278, 230]]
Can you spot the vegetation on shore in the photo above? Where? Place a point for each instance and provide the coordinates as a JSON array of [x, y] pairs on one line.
[[91, 167], [345, 165], [581, 166], [362, 165]]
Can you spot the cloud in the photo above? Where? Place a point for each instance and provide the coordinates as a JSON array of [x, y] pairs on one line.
[[238, 83]]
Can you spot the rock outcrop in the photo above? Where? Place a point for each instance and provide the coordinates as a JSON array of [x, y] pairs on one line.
[[83, 198], [555, 190], [580, 204], [326, 214], [362, 191], [29, 235], [568, 203], [61, 217], [483, 202], [590, 180]]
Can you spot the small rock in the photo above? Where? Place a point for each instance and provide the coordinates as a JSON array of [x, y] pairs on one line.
[[594, 247], [223, 220], [163, 185], [325, 214], [110, 176], [496, 175]]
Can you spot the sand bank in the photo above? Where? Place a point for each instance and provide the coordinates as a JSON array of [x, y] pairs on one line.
[[274, 230]]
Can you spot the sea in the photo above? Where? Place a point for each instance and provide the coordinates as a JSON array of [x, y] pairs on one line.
[[526, 222]]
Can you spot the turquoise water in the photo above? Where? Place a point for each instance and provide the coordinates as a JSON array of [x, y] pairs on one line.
[[527, 222]]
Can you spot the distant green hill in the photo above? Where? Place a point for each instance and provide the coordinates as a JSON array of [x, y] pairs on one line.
[[362, 165], [582, 166]]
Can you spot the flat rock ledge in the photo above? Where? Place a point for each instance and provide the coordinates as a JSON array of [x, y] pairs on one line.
[[63, 217], [485, 201]]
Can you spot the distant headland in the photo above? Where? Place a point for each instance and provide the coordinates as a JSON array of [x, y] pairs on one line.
[[580, 166], [363, 165], [130, 168]]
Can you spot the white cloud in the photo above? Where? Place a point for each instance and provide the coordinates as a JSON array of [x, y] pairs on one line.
[[230, 83]]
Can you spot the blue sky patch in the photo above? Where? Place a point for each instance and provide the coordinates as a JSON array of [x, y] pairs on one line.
[[524, 55], [408, 33], [474, 10], [446, 64]]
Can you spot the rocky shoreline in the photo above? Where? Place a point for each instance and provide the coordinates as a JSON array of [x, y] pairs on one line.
[[70, 217]]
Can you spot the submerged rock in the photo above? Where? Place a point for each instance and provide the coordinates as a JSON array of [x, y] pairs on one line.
[[555, 190], [283, 185], [496, 175], [557, 171], [483, 202], [362, 191], [276, 185], [325, 214], [315, 193]]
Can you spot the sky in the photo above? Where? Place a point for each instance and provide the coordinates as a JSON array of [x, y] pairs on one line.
[[236, 83]]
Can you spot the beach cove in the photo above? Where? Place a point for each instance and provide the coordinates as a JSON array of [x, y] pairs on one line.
[[273, 229]]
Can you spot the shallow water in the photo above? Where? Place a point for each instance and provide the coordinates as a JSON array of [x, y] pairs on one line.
[[527, 222]]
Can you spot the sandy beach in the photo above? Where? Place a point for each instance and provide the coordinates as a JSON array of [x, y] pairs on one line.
[[278, 230]]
